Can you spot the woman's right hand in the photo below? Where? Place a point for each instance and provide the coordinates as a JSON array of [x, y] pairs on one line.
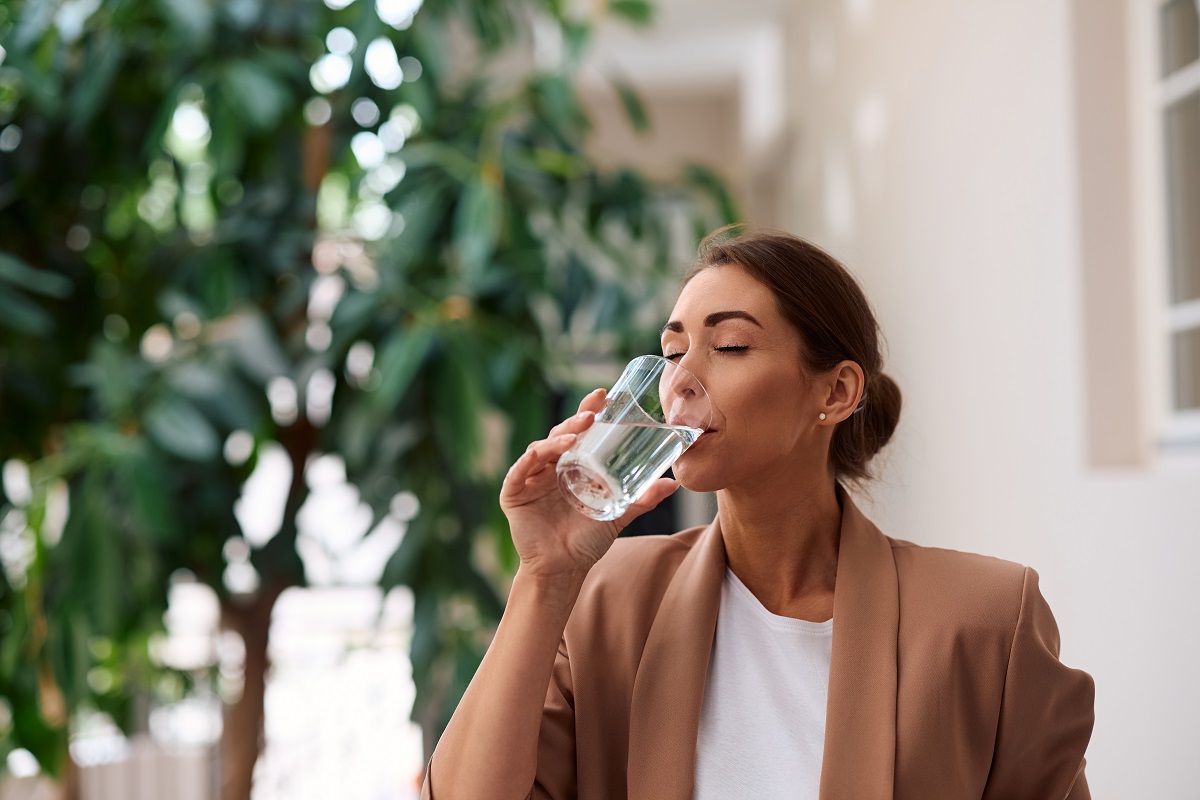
[[554, 541]]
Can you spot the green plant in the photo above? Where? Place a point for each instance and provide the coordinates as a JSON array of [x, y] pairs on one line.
[[409, 268]]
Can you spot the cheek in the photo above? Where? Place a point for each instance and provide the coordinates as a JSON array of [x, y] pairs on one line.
[[767, 408]]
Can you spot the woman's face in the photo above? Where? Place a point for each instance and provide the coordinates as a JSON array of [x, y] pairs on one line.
[[726, 330]]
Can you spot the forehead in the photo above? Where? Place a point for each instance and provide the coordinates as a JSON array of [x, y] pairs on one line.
[[721, 288]]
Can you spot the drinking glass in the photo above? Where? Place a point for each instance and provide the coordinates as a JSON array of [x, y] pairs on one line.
[[655, 411]]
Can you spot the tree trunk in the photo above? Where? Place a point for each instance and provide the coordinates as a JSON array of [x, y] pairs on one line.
[[243, 734], [70, 779], [242, 738]]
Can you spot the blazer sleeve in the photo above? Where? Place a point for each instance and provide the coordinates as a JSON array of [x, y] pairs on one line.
[[556, 772], [1046, 712], [556, 769]]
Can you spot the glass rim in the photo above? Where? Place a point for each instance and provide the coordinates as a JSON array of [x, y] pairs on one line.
[[669, 364]]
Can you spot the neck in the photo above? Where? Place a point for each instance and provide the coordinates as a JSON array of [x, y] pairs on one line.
[[781, 540]]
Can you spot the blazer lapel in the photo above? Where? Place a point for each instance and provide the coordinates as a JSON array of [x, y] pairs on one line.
[[668, 689], [860, 725]]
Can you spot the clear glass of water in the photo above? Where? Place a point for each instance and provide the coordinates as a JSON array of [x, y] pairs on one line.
[[654, 412]]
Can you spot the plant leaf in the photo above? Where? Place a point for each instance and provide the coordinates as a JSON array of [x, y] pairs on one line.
[[399, 360], [17, 273], [94, 87], [150, 493], [635, 112], [476, 227], [257, 349], [193, 20], [181, 429], [20, 314], [639, 12], [255, 94], [459, 395], [709, 182]]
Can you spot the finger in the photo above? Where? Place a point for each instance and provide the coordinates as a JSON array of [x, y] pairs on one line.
[[593, 401], [539, 454], [660, 490], [576, 424], [591, 405]]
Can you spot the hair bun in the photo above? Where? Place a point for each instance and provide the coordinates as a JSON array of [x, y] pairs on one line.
[[881, 414]]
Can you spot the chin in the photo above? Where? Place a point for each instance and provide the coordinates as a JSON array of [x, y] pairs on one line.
[[696, 476]]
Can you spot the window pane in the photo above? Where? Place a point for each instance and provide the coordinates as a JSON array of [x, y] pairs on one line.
[[1185, 349], [1182, 125], [1180, 35]]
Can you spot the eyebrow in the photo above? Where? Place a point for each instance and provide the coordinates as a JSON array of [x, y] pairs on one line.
[[675, 326]]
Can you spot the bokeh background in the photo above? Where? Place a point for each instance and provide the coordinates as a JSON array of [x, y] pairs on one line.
[[285, 286]]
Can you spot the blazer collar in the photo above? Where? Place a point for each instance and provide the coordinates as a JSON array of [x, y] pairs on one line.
[[860, 729], [860, 717]]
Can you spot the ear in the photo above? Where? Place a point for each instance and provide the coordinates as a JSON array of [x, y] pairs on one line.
[[843, 387]]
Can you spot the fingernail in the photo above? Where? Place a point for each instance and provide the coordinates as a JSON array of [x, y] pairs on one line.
[[582, 415]]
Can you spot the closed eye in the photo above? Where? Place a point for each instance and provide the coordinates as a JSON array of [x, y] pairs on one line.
[[731, 349]]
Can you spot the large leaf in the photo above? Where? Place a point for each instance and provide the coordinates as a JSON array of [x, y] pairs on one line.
[[15, 639], [113, 377], [150, 493], [529, 409], [195, 21], [17, 273], [398, 362], [476, 226], [448, 158], [257, 348], [706, 180], [222, 395], [177, 426], [422, 201], [35, 19], [554, 96], [255, 94], [639, 12], [20, 314], [228, 144], [459, 397], [104, 60], [635, 112], [403, 567]]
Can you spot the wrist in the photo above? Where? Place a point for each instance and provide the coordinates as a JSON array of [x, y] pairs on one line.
[[558, 590]]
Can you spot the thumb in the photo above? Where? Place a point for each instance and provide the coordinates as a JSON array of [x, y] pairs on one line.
[[660, 490]]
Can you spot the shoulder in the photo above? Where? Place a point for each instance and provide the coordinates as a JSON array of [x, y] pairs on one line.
[[977, 590], [638, 563], [622, 592], [939, 563]]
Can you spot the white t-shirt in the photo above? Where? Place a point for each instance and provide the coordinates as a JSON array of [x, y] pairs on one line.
[[762, 725]]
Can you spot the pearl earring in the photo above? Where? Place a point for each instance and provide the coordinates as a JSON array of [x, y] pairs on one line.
[[822, 416]]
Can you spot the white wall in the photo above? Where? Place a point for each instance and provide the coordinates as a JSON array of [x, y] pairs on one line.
[[933, 146], [936, 156]]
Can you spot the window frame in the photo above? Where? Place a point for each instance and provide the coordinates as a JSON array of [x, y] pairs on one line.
[[1153, 95]]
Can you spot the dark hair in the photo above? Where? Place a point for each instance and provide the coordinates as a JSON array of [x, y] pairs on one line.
[[824, 302]]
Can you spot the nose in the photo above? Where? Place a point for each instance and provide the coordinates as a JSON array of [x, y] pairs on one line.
[[684, 400], [676, 383], [691, 370], [682, 385]]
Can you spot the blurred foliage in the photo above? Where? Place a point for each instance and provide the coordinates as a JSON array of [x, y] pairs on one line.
[[219, 223]]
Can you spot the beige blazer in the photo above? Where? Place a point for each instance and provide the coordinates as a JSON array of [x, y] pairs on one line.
[[944, 682]]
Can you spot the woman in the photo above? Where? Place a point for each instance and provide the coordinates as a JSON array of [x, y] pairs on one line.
[[789, 648]]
